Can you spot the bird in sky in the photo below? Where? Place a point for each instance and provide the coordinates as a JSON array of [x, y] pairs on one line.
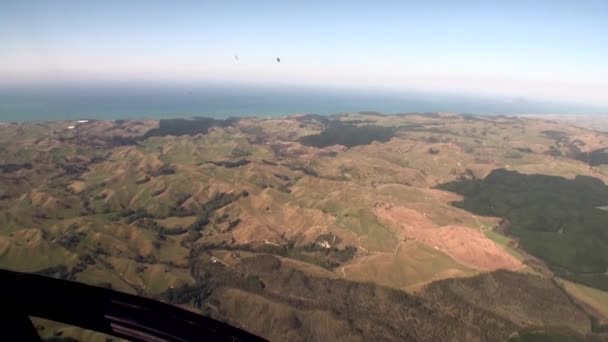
[[278, 60]]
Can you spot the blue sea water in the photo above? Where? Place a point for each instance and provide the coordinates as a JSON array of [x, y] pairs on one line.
[[70, 102]]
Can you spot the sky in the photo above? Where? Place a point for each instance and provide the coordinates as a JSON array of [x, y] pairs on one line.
[[555, 50]]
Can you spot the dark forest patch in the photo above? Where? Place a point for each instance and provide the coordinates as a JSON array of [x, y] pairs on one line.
[[228, 163], [594, 158], [555, 135], [306, 169], [9, 168], [348, 135], [524, 149], [474, 117], [553, 151], [563, 141], [74, 169], [143, 180], [116, 141], [218, 201], [164, 170], [268, 162], [555, 218], [198, 125]]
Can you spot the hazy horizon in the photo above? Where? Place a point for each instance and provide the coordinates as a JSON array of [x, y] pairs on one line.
[[543, 50]]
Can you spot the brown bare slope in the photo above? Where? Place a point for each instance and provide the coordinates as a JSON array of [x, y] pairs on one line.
[[465, 245]]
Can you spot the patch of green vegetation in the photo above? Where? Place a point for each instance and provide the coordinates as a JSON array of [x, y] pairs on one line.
[[594, 158], [410, 267], [24, 155], [26, 203], [554, 218], [199, 125], [187, 294], [58, 154], [8, 168], [24, 258], [229, 163], [504, 241], [153, 144], [375, 236], [218, 201], [96, 177], [348, 135], [595, 298], [598, 327]]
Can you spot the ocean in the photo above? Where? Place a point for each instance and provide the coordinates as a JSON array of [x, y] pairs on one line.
[[60, 102]]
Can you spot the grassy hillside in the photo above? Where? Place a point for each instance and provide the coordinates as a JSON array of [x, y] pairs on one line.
[[318, 227], [595, 298]]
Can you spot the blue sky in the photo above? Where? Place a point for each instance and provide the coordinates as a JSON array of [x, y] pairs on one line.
[[538, 49]]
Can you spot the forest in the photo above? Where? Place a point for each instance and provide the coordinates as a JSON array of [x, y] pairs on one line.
[[556, 219]]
